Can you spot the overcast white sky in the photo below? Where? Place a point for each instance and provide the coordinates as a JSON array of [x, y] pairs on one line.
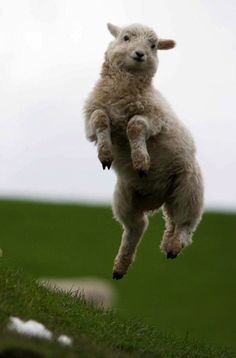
[[50, 57]]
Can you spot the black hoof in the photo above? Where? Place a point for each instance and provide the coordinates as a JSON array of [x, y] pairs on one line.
[[106, 164], [117, 276], [171, 255], [142, 173]]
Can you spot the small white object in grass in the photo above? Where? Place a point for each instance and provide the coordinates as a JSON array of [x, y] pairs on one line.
[[64, 340], [29, 328]]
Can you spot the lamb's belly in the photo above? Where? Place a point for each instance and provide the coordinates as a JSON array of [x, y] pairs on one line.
[[122, 163], [119, 130], [150, 190]]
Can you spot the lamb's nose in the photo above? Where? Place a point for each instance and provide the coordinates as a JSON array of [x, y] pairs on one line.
[[139, 54]]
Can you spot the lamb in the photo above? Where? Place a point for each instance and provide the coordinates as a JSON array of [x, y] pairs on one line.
[[151, 151]]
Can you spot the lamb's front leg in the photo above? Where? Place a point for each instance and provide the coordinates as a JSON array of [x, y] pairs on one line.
[[101, 126], [138, 132]]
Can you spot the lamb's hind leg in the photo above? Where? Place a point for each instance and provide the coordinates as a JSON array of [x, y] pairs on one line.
[[176, 236], [134, 223], [169, 230], [182, 214]]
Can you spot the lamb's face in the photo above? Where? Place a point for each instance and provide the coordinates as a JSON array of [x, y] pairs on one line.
[[135, 48]]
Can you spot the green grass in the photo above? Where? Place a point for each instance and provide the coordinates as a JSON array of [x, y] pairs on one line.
[[193, 295], [94, 333]]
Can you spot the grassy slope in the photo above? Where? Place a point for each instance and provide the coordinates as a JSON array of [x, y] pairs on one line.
[[193, 295], [95, 334]]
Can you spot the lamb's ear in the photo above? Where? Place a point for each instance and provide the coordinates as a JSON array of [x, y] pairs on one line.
[[114, 30], [166, 44]]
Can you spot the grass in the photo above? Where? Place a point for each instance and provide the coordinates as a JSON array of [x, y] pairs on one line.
[[94, 333], [192, 296]]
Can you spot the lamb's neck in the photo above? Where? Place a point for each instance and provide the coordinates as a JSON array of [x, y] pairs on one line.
[[120, 79]]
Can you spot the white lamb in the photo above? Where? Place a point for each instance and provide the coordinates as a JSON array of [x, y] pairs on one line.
[[151, 151]]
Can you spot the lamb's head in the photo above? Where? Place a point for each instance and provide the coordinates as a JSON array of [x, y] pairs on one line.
[[135, 48]]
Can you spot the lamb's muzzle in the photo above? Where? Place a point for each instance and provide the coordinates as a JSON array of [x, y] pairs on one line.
[[138, 56]]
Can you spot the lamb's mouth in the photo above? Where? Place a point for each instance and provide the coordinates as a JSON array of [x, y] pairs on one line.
[[138, 59]]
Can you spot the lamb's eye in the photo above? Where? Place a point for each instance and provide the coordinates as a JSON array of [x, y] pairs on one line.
[[153, 46], [126, 38]]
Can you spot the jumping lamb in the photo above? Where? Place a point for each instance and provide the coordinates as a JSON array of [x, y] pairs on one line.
[[151, 151]]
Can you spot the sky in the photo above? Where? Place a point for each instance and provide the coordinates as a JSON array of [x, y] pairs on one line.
[[51, 53]]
